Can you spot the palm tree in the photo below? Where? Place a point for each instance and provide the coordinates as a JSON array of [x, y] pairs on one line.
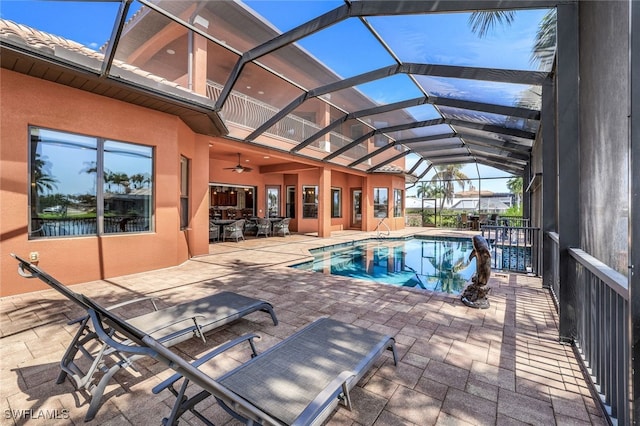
[[515, 187], [421, 190], [120, 179], [42, 179], [137, 180], [429, 190], [448, 175], [543, 51], [481, 22]]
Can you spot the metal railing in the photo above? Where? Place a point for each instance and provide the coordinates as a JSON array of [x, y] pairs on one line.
[[554, 268], [251, 113], [70, 227], [514, 248], [602, 311], [385, 231]]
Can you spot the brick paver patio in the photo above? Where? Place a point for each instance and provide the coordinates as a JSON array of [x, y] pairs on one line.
[[458, 366]]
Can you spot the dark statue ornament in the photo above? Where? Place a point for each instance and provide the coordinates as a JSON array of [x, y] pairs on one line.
[[475, 294]]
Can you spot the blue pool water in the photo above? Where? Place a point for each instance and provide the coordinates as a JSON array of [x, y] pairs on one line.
[[436, 264]]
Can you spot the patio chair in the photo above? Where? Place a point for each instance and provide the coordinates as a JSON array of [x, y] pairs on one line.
[[282, 227], [299, 381], [234, 230], [264, 227], [251, 226], [493, 219], [463, 222], [105, 355], [214, 231]]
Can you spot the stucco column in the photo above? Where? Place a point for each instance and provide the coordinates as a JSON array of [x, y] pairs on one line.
[[367, 204], [198, 72], [324, 203]]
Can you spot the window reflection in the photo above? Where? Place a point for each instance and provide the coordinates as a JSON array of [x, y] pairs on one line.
[[309, 202], [398, 201], [127, 187], [273, 201], [70, 192], [381, 202], [336, 202]]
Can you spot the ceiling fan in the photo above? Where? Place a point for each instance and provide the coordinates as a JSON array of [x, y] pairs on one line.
[[239, 168]]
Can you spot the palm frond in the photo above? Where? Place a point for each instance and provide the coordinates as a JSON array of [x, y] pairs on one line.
[[482, 22], [544, 48]]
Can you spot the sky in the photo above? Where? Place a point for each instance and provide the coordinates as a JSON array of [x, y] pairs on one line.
[[438, 39]]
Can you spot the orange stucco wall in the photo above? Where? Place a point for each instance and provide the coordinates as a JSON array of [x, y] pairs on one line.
[[29, 101]]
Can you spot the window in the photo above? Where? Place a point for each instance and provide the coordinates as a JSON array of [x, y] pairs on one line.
[[309, 202], [291, 202], [273, 201], [381, 202], [398, 201], [184, 192], [84, 185], [379, 139], [336, 202], [357, 130]]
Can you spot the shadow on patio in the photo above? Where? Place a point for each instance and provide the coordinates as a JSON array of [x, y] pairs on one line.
[[457, 365]]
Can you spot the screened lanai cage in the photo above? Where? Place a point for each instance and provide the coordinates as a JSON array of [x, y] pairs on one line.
[[398, 83], [448, 192]]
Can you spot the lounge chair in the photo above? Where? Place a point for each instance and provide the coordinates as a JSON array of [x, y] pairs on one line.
[[234, 230], [282, 227], [299, 381], [168, 326]]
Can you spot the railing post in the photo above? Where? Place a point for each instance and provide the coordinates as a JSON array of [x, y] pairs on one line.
[[549, 183], [634, 213], [568, 125]]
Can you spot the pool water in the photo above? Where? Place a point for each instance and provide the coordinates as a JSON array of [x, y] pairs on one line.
[[436, 264]]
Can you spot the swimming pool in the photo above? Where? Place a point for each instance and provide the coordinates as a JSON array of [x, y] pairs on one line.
[[436, 264]]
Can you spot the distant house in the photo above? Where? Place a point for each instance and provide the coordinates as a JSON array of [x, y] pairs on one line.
[[468, 201], [488, 205]]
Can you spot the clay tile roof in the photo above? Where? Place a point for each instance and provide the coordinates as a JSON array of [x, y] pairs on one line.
[[39, 39], [43, 42], [389, 168]]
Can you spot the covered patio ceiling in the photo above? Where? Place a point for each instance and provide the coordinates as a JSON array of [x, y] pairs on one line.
[[468, 105]]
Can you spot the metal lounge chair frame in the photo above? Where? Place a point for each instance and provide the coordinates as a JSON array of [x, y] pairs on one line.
[[168, 327], [322, 363], [350, 350]]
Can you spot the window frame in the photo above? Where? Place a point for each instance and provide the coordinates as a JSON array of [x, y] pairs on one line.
[[272, 206], [398, 202], [185, 189], [89, 226], [307, 206], [334, 191], [377, 203]]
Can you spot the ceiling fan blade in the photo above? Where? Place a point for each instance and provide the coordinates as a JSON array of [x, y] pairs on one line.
[[239, 168]]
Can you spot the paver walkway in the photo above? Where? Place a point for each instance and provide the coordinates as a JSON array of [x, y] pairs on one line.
[[459, 366]]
